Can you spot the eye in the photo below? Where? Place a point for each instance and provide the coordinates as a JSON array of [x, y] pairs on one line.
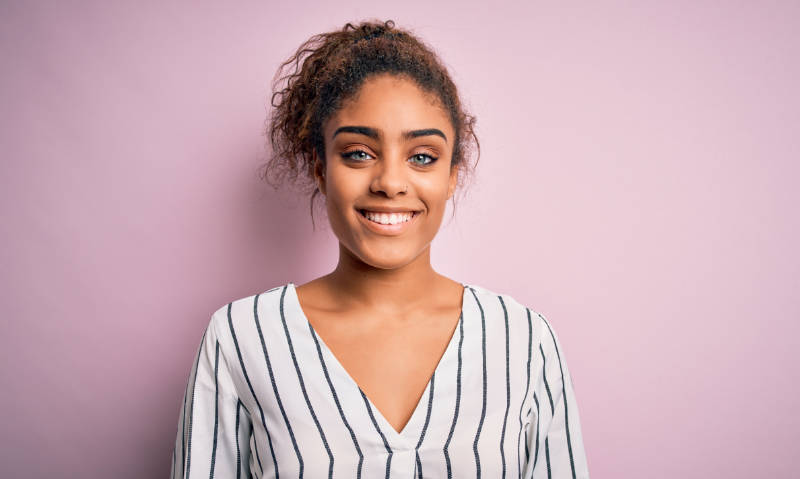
[[356, 155], [425, 159]]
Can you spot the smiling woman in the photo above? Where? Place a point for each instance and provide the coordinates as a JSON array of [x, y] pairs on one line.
[[383, 367]]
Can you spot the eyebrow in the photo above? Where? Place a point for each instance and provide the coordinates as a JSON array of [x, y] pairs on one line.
[[376, 134]]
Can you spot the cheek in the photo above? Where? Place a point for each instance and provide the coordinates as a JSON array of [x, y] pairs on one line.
[[337, 202], [342, 191], [342, 182], [434, 189]]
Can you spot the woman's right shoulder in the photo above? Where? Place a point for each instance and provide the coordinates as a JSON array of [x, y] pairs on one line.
[[244, 310]]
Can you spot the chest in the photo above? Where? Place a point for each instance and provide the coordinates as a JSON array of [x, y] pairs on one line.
[[391, 361]]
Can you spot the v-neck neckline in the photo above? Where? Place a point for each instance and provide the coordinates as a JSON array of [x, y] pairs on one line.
[[420, 408]]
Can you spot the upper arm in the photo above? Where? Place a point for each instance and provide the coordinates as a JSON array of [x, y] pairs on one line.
[[555, 433], [213, 426]]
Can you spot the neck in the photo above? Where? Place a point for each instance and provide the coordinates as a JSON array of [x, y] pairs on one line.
[[389, 290]]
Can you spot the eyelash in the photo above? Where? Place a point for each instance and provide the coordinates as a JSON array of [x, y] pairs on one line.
[[347, 155]]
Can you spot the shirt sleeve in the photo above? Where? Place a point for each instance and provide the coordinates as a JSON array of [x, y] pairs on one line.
[[214, 427], [554, 437]]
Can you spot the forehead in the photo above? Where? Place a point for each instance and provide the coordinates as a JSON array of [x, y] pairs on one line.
[[390, 103]]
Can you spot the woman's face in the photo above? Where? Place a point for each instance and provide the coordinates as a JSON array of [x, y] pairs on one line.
[[388, 176]]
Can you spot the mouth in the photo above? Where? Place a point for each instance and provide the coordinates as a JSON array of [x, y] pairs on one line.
[[391, 224], [387, 219]]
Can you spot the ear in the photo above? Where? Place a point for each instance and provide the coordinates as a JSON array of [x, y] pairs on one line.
[[319, 172], [452, 182]]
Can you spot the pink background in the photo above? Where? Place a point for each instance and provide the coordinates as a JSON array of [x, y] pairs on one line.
[[638, 185]]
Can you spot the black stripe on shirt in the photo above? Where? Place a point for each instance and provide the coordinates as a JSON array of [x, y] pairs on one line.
[[238, 453], [483, 409], [258, 459], [191, 413], [338, 404], [425, 426], [183, 421], [216, 411], [527, 385], [527, 453], [252, 391], [546, 384], [536, 454], [552, 407], [303, 386], [377, 428], [547, 456], [458, 395], [508, 391]]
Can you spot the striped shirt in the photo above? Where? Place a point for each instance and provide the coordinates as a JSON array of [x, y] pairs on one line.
[[266, 398]]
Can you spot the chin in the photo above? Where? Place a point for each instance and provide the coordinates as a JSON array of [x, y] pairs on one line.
[[387, 259]]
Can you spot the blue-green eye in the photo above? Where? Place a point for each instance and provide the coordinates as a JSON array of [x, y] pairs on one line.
[[356, 155], [423, 156]]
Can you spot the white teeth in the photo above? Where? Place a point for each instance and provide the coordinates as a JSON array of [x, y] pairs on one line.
[[388, 218]]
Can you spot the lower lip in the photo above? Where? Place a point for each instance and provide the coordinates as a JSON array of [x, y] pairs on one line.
[[391, 230]]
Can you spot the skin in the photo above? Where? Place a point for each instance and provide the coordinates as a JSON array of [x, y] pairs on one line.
[[383, 311]]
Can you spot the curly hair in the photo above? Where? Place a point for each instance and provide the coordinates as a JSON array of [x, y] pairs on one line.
[[328, 69]]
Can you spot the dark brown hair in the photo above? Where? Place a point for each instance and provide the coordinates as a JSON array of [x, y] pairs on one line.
[[328, 69]]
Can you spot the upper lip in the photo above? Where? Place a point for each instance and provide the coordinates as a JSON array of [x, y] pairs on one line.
[[387, 209]]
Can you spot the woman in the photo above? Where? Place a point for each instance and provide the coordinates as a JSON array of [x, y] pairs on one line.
[[383, 367]]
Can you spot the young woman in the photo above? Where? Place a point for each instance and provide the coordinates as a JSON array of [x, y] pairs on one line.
[[382, 368]]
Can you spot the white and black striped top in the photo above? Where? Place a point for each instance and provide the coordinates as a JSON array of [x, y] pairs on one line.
[[266, 398]]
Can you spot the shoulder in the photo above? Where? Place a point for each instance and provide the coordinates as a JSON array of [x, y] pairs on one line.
[[484, 296], [494, 303], [244, 309]]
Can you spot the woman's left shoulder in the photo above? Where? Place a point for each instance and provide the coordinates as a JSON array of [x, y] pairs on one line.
[[484, 294], [493, 301], [521, 319]]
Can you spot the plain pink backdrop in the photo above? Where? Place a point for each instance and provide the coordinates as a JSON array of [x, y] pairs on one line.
[[637, 185]]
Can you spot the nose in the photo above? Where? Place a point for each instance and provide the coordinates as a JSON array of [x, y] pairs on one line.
[[390, 176]]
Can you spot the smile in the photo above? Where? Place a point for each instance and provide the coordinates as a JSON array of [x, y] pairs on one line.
[[388, 218], [388, 223]]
